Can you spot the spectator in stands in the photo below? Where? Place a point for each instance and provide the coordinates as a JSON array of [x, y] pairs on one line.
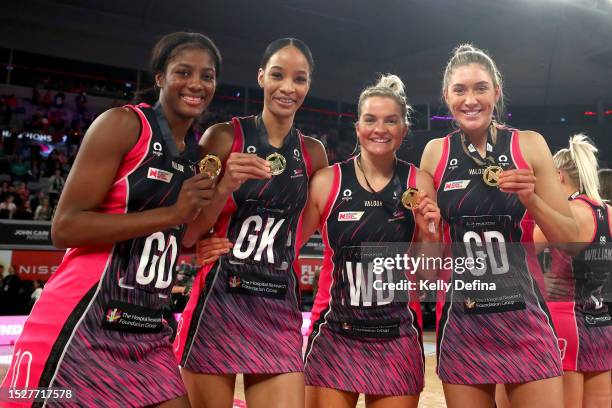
[[8, 207], [81, 103], [34, 173], [46, 99], [23, 192], [605, 184], [24, 212], [56, 185], [43, 211], [37, 199], [19, 169], [58, 99], [38, 288], [11, 302]]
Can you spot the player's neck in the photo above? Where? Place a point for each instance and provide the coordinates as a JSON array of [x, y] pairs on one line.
[[277, 127], [569, 189], [478, 139], [178, 125], [377, 167]]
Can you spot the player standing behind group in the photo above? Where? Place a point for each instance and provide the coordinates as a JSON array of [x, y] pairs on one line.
[[243, 315], [479, 342], [580, 300], [365, 339], [122, 214]]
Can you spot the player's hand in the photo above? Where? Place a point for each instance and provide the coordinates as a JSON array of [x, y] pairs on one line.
[[209, 249], [195, 193], [241, 167], [427, 217], [520, 182]]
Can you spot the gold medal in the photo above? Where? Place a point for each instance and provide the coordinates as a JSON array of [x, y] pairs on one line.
[[210, 165], [278, 163], [409, 198], [491, 175]]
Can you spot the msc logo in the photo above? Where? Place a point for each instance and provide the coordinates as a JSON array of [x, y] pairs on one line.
[[456, 185], [350, 215], [161, 175]]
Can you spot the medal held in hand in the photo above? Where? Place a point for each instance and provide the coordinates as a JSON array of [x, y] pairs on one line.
[[490, 175], [210, 165], [409, 198], [278, 163]]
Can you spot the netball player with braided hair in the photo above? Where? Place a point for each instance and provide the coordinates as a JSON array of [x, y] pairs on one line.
[[492, 182], [243, 314], [97, 330], [581, 314]]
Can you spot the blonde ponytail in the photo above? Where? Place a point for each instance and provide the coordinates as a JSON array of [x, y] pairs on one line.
[[579, 162]]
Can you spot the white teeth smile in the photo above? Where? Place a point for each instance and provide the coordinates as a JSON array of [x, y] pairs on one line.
[[381, 140], [471, 113], [192, 100], [284, 100]]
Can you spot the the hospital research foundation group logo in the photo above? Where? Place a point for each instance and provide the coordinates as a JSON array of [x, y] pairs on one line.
[[112, 315], [234, 282]]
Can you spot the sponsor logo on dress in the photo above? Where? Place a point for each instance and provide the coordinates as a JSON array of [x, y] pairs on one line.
[[456, 185], [161, 175], [452, 165], [297, 173], [157, 149], [373, 203], [251, 149], [178, 167], [234, 282], [346, 195], [350, 215], [113, 315], [296, 155]]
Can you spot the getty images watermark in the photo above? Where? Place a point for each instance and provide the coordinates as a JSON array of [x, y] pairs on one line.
[[411, 265]]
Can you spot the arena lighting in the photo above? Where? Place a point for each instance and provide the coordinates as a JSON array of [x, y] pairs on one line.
[[441, 117], [589, 113]]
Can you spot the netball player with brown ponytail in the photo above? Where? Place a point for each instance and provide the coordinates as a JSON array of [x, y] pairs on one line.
[[581, 313], [492, 182]]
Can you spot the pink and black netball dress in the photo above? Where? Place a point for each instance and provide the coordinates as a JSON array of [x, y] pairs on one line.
[[583, 320], [365, 338], [97, 328], [493, 324], [243, 315]]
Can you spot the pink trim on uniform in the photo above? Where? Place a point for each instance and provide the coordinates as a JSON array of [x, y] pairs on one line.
[[298, 233], [517, 155], [586, 199], [564, 319], [220, 230], [439, 173], [81, 270], [323, 293]]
